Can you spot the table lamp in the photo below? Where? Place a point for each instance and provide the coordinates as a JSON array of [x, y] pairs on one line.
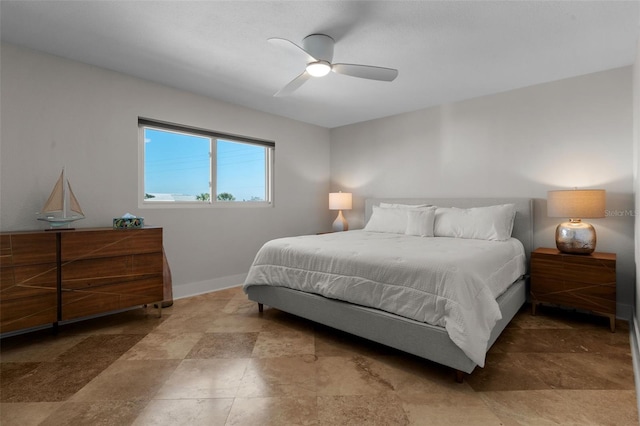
[[575, 236], [340, 201]]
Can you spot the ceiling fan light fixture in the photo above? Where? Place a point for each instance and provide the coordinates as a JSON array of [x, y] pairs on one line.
[[319, 68], [318, 53]]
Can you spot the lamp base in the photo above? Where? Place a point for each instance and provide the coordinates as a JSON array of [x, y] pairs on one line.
[[576, 237], [340, 224]]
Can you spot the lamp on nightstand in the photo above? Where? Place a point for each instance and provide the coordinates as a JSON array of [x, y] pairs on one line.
[[575, 236], [340, 201]]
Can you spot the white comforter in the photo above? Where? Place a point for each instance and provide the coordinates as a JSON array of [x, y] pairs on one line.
[[448, 282]]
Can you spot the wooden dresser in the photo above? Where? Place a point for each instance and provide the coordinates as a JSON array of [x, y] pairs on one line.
[[52, 276], [575, 280]]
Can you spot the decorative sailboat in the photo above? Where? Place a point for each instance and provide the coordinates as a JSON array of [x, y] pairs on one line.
[[62, 207]]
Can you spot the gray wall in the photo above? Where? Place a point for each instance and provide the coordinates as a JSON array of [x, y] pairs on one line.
[[57, 112], [576, 132], [636, 174]]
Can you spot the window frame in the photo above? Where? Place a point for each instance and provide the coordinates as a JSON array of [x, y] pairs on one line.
[[214, 136]]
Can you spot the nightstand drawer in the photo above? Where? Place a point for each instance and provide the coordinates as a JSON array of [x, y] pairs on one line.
[[581, 295], [581, 268], [585, 282]]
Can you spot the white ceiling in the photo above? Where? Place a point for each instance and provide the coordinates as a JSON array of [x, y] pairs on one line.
[[445, 51]]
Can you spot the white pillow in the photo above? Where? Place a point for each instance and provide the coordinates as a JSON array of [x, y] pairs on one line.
[[402, 206], [401, 220], [481, 223], [420, 222], [387, 220]]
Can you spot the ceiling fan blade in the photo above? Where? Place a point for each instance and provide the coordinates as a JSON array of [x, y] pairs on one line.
[[292, 47], [293, 85], [366, 71]]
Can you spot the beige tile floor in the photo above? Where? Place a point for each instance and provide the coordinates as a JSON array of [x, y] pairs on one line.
[[213, 360]]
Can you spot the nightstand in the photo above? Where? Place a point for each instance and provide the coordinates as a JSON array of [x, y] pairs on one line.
[[575, 280]]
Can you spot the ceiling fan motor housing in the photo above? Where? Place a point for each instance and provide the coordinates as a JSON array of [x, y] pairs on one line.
[[320, 46]]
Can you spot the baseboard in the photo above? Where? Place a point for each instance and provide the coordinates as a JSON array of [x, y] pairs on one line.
[[634, 338], [207, 286]]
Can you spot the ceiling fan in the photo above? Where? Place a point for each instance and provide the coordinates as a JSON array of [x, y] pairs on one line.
[[318, 52]]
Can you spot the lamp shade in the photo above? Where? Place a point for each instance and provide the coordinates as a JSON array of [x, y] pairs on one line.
[[576, 203], [340, 201]]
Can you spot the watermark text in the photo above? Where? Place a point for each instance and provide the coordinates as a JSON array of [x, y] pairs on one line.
[[620, 213]]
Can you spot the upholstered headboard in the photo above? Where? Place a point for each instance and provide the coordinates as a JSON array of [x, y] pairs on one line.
[[522, 226]]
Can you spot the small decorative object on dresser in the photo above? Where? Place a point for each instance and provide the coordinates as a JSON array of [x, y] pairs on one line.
[[62, 206], [578, 281], [128, 221]]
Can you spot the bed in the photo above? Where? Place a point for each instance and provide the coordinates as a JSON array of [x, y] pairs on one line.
[[411, 329]]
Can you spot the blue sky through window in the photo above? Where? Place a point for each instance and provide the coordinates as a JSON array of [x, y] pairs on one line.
[[241, 170], [179, 164]]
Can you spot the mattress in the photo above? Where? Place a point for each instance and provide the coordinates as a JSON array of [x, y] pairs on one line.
[[447, 282]]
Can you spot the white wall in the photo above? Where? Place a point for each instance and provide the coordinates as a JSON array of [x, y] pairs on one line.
[[635, 348], [636, 172], [57, 112], [574, 132]]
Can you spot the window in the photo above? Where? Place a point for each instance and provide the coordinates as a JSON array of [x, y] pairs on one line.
[[183, 165]]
